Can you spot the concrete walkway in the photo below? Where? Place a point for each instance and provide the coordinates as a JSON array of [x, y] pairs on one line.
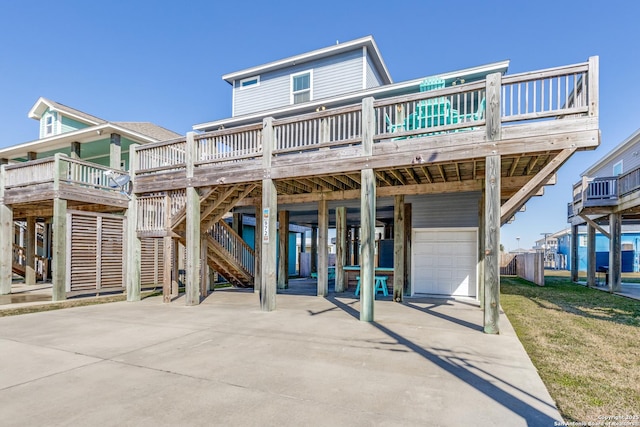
[[226, 363]]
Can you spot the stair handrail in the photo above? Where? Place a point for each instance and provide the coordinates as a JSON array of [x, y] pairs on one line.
[[240, 251]]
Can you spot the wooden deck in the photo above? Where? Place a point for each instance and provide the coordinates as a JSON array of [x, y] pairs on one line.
[[543, 117]]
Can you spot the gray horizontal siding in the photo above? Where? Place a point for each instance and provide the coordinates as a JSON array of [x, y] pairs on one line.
[[444, 210], [630, 161], [331, 77], [69, 125], [373, 78]]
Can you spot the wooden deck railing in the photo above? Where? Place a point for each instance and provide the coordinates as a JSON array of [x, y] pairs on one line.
[[229, 145], [335, 127], [604, 191], [234, 245], [63, 169], [19, 259], [545, 94], [541, 95]]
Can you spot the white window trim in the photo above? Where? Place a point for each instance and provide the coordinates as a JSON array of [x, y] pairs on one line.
[[621, 168], [45, 131], [310, 72], [256, 84]]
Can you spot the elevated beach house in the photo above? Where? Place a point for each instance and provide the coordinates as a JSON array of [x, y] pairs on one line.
[[416, 177], [606, 200]]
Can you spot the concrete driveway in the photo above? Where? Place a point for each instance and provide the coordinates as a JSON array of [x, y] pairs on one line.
[[311, 362]]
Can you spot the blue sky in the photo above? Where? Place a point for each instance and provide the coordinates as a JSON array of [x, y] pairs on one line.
[[162, 61]]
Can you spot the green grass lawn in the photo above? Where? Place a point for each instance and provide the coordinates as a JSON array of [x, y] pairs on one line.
[[585, 344]]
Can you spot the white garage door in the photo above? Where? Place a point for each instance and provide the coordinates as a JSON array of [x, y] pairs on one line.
[[445, 261]]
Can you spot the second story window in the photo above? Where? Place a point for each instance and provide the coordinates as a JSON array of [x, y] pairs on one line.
[[249, 82], [617, 168], [48, 125], [301, 87]]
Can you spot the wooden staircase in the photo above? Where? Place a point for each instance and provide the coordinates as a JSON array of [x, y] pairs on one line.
[[19, 262], [227, 253]]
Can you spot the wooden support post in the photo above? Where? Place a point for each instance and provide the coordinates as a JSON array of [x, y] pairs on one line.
[[492, 208], [341, 244], [314, 249], [367, 216], [115, 152], [615, 252], [236, 223], [204, 267], [257, 244], [59, 261], [481, 242], [6, 240], [30, 252], [283, 245], [407, 248], [175, 268], [75, 150], [167, 252], [32, 155], [574, 253], [192, 247], [591, 256], [356, 246], [269, 227], [323, 248], [134, 250], [399, 253], [492, 246]]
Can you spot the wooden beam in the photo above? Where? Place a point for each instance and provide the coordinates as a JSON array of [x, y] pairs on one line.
[[6, 240], [514, 204], [367, 216], [134, 250], [574, 253], [192, 247], [492, 215], [59, 259], [283, 243], [341, 245], [269, 246], [591, 256], [323, 248], [257, 244], [615, 252], [115, 151], [481, 249], [407, 249], [314, 249], [30, 252], [492, 246], [595, 225], [269, 228], [75, 150], [399, 240], [367, 245]]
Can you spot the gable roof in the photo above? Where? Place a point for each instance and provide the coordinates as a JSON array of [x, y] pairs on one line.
[[42, 104], [147, 128], [367, 42]]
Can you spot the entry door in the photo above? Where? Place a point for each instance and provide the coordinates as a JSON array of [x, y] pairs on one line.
[[445, 261]]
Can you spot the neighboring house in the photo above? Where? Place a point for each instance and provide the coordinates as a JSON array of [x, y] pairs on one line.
[[77, 164], [80, 135], [606, 200], [630, 247]]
